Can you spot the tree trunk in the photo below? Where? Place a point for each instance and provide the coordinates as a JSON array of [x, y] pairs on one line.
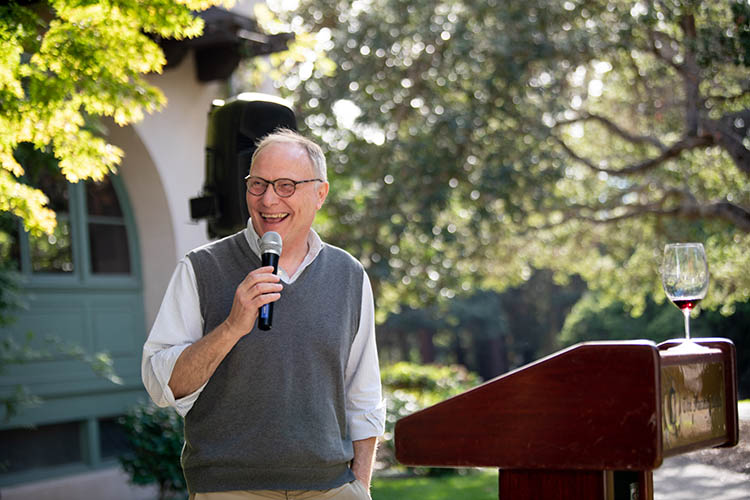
[[426, 345], [403, 345], [458, 349], [492, 357], [691, 77]]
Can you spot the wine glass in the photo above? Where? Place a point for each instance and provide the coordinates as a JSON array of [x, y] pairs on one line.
[[684, 276]]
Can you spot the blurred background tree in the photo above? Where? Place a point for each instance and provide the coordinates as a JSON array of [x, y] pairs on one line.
[[474, 142], [486, 331]]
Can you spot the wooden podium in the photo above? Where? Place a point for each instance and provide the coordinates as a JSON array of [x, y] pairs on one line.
[[590, 422]]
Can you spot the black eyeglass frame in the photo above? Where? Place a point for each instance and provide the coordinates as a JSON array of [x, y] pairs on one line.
[[273, 183]]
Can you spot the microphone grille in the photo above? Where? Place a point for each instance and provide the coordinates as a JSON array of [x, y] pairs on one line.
[[270, 243]]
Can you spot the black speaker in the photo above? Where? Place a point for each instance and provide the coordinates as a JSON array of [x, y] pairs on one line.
[[234, 128]]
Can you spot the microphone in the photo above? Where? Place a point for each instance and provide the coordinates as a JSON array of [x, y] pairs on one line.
[[270, 250]]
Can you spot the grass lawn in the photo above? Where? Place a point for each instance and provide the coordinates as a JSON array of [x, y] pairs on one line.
[[476, 485]]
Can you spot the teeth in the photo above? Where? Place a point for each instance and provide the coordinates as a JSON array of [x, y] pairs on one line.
[[274, 216]]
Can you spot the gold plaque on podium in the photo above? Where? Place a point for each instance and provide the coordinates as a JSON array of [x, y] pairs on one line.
[[693, 398]]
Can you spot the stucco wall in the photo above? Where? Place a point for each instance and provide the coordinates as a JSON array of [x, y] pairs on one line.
[[164, 168], [175, 140]]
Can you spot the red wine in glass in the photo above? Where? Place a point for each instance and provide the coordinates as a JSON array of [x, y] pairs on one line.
[[688, 304], [684, 276]]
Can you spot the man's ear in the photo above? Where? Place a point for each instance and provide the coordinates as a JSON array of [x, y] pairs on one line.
[[322, 193]]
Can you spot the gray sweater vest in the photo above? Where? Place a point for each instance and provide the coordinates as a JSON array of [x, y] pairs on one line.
[[273, 415]]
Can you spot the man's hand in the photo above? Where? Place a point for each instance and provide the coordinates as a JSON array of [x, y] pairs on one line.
[[199, 361], [260, 287]]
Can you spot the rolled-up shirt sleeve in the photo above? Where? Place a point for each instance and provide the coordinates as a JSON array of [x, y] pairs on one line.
[[178, 324], [365, 408]]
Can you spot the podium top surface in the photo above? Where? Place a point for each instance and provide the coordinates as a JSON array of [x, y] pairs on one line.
[[596, 405]]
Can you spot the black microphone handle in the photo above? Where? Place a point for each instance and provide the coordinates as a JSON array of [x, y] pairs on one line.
[[265, 313]]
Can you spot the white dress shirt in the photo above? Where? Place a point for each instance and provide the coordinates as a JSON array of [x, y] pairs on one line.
[[179, 323]]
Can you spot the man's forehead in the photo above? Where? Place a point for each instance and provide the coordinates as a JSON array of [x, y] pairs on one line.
[[283, 155]]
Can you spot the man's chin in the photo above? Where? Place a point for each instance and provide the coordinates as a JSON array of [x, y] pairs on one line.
[[264, 228]]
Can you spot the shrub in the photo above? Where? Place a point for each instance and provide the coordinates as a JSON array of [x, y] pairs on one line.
[[409, 387], [155, 436]]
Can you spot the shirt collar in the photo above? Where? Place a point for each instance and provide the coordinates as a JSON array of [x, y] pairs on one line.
[[314, 246]]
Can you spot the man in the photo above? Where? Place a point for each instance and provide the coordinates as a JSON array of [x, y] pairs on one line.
[[293, 412]]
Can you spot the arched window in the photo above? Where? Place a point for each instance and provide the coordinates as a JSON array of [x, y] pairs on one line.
[[91, 238], [108, 238], [81, 286]]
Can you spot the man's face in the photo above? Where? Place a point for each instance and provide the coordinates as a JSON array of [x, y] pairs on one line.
[[291, 217]]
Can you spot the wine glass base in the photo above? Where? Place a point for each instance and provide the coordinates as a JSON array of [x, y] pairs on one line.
[[687, 346]]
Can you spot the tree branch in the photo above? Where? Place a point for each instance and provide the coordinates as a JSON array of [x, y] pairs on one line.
[[730, 132], [673, 151], [689, 208], [661, 47], [721, 210], [616, 129]]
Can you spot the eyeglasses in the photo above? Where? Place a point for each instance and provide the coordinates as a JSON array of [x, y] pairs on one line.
[[285, 188]]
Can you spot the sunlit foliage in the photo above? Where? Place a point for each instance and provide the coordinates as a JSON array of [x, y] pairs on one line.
[[63, 63]]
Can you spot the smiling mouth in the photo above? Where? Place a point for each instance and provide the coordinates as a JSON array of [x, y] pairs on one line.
[[274, 218]]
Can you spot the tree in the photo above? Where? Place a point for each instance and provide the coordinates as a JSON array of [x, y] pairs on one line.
[[486, 331], [474, 142], [65, 63]]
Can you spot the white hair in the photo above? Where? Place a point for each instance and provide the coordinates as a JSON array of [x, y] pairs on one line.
[[287, 136]]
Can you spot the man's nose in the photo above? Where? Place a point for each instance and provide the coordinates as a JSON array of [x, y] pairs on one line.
[[270, 197]]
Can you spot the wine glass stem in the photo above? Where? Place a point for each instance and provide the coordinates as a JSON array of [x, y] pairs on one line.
[[686, 313]]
